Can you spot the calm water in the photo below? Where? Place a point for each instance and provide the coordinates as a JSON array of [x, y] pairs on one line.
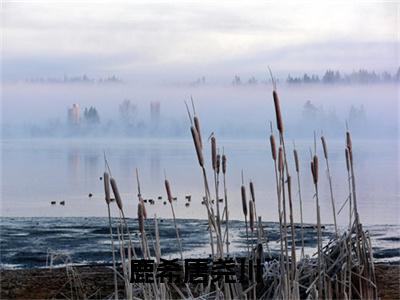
[[36, 172]]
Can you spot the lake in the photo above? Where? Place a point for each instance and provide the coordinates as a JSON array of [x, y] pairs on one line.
[[38, 171]]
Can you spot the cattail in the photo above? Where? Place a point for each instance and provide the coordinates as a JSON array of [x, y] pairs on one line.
[[218, 162], [312, 170], [144, 207], [251, 215], [197, 126], [347, 159], [252, 192], [140, 217], [197, 145], [106, 179], [116, 193], [273, 146], [244, 204], [280, 160], [315, 165], [279, 122], [350, 156], [214, 153], [223, 163], [168, 189], [289, 184], [296, 160], [324, 147], [348, 141]]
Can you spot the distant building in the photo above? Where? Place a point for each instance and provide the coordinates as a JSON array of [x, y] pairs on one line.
[[154, 112], [74, 115]]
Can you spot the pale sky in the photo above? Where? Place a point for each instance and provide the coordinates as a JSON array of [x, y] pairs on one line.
[[181, 39]]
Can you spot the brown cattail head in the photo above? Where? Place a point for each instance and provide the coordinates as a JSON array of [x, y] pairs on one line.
[[140, 217], [348, 141], [296, 160], [197, 126], [350, 157], [197, 145], [168, 189], [218, 163], [244, 204], [280, 160], [315, 165], [312, 170], [224, 163], [106, 179], [279, 121], [289, 184], [251, 215], [116, 193], [347, 159], [325, 147], [253, 196], [273, 146], [214, 153]]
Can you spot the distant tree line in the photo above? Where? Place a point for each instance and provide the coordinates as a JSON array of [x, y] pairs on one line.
[[330, 77], [75, 79], [360, 76]]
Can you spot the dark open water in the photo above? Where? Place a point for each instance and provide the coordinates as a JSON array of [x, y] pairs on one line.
[[25, 242]]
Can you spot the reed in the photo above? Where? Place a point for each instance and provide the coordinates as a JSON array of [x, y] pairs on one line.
[[297, 167], [251, 215], [253, 198], [273, 147], [314, 171], [281, 169], [214, 161], [325, 148], [293, 235], [343, 268], [279, 121], [224, 162], [196, 122], [106, 180], [197, 144], [244, 208], [169, 195], [117, 196], [196, 135], [278, 167]]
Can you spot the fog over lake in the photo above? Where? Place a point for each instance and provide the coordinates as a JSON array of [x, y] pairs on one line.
[[40, 169]]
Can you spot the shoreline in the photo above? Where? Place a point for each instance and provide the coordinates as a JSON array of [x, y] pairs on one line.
[[97, 282]]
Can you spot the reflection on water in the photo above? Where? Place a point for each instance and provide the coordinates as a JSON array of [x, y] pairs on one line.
[[36, 172]]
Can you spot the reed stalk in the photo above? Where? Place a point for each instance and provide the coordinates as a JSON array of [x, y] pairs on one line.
[[297, 166], [314, 171], [214, 159], [278, 193], [354, 198], [244, 208], [106, 180], [349, 246], [325, 148], [196, 135], [169, 195], [293, 262], [281, 170], [224, 162]]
